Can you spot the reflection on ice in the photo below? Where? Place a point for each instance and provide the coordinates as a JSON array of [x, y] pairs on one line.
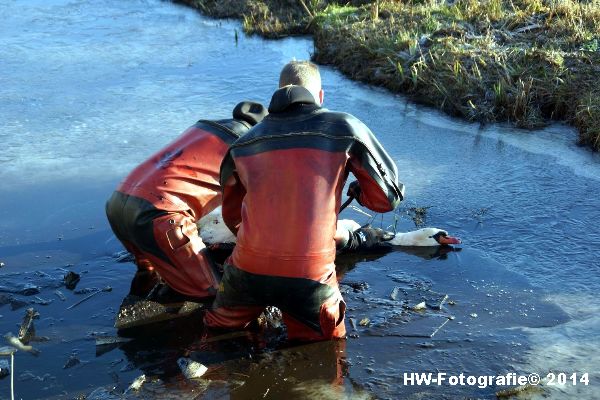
[[568, 348]]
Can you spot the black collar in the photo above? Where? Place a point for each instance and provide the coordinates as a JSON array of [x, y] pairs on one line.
[[288, 96]]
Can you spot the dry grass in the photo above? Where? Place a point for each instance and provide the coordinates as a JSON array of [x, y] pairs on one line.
[[524, 61], [587, 119]]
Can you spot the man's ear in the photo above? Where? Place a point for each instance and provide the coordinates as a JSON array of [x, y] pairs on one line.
[[321, 96]]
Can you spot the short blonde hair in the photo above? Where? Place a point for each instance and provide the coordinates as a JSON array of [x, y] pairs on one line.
[[301, 73]]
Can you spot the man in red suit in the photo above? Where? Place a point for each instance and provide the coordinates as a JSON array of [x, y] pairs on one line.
[[154, 210], [282, 187]]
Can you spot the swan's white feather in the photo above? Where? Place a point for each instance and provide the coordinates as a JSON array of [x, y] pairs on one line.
[[421, 237], [348, 224], [213, 230]]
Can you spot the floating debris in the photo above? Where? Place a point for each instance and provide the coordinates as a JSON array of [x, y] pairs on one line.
[[364, 322], [146, 312], [86, 290], [357, 287], [360, 211], [137, 383], [71, 279], [60, 295], [418, 215], [353, 323], [473, 315], [106, 289], [16, 343], [108, 340], [123, 257], [437, 302], [190, 368], [71, 362], [40, 301], [479, 214], [414, 296], [2, 264], [419, 307], [105, 344], [27, 329]]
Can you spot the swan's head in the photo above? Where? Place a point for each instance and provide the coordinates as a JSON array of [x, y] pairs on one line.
[[442, 237], [424, 237]]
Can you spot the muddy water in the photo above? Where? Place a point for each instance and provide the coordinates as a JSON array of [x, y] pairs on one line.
[[89, 89]]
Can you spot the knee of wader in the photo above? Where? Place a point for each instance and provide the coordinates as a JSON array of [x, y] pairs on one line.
[[331, 318]]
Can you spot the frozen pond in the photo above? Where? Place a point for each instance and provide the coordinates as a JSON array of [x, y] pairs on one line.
[[90, 89]]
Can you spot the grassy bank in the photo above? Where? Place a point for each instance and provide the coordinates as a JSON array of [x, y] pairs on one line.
[[523, 61]]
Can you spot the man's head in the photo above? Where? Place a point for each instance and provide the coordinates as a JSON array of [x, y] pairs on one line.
[[305, 74]]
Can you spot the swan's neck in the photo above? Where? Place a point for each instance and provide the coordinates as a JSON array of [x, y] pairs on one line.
[[421, 237]]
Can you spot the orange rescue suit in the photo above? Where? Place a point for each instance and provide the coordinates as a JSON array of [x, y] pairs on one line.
[[282, 186], [154, 210]]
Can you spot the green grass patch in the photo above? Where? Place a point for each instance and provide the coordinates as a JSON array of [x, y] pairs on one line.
[[524, 61]]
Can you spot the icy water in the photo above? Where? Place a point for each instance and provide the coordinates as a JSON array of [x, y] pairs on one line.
[[90, 89]]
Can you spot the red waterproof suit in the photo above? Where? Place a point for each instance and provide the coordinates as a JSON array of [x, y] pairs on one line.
[[154, 210], [282, 187]]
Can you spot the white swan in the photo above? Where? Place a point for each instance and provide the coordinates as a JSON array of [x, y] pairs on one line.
[[424, 237], [212, 230]]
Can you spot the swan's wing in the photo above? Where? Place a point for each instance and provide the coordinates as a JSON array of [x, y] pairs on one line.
[[348, 224], [212, 229]]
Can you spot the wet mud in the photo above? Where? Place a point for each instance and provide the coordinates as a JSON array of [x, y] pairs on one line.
[[468, 306]]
